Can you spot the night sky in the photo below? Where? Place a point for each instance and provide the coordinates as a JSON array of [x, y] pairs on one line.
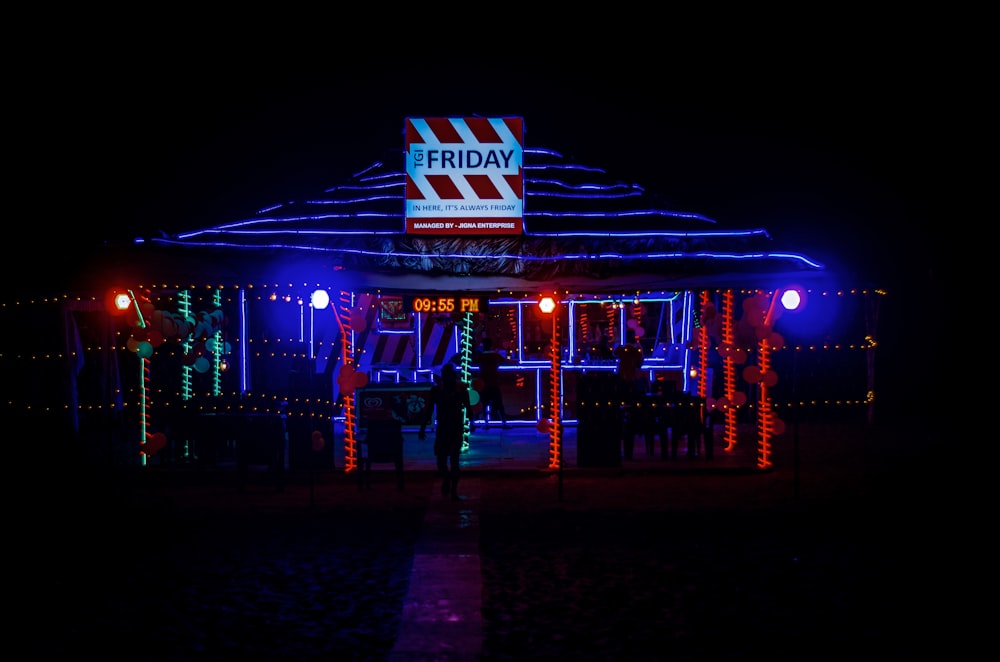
[[813, 142]]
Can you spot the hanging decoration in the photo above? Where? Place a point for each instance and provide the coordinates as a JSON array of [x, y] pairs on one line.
[[465, 374], [554, 427], [350, 322], [732, 399]]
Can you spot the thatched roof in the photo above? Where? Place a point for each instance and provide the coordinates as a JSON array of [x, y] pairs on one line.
[[582, 229]]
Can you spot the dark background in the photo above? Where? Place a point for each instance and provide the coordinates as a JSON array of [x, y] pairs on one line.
[[816, 136]]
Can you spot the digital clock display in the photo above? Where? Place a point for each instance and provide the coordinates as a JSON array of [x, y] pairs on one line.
[[434, 303]]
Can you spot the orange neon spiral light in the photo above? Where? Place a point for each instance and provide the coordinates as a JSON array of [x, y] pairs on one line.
[[729, 368], [350, 411], [703, 349], [555, 397], [766, 415]]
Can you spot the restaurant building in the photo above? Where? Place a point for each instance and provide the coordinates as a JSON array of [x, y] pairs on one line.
[[309, 309]]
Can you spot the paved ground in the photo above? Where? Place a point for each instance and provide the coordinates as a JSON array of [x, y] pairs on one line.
[[823, 558]]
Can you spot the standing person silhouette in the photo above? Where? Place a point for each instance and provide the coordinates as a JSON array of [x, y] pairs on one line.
[[489, 361], [629, 355], [450, 399], [601, 351]]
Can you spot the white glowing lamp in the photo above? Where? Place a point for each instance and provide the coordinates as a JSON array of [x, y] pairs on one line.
[[793, 298], [320, 299]]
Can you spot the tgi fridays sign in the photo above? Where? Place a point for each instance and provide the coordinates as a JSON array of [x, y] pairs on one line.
[[464, 176]]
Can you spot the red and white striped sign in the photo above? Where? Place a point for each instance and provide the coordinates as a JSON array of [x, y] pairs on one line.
[[398, 350], [464, 176]]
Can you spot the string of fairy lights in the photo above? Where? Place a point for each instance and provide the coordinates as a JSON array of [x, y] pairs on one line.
[[289, 348]]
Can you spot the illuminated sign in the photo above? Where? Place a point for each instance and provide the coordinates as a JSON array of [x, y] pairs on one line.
[[434, 303], [464, 176]]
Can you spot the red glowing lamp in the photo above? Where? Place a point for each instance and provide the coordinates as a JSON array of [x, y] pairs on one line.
[[117, 300]]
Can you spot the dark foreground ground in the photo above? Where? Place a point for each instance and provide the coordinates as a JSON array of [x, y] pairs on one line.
[[838, 560]]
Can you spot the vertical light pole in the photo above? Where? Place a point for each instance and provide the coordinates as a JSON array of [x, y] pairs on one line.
[[549, 306], [793, 299], [795, 424], [123, 301]]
